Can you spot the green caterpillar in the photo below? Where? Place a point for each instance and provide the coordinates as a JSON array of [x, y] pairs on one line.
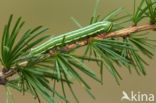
[[81, 33]]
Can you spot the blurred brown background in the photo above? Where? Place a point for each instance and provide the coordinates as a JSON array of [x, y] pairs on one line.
[[56, 15]]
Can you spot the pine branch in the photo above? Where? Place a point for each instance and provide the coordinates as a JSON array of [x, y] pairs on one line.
[[120, 33]]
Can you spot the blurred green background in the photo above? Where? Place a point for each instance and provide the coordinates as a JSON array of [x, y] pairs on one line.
[[56, 15]]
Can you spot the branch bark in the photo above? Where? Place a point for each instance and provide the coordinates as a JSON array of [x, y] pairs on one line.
[[4, 77], [120, 33]]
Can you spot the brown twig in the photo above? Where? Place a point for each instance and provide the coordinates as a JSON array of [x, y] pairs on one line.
[[120, 33], [3, 77]]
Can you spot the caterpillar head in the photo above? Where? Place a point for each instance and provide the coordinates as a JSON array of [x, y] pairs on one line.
[[106, 25]]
